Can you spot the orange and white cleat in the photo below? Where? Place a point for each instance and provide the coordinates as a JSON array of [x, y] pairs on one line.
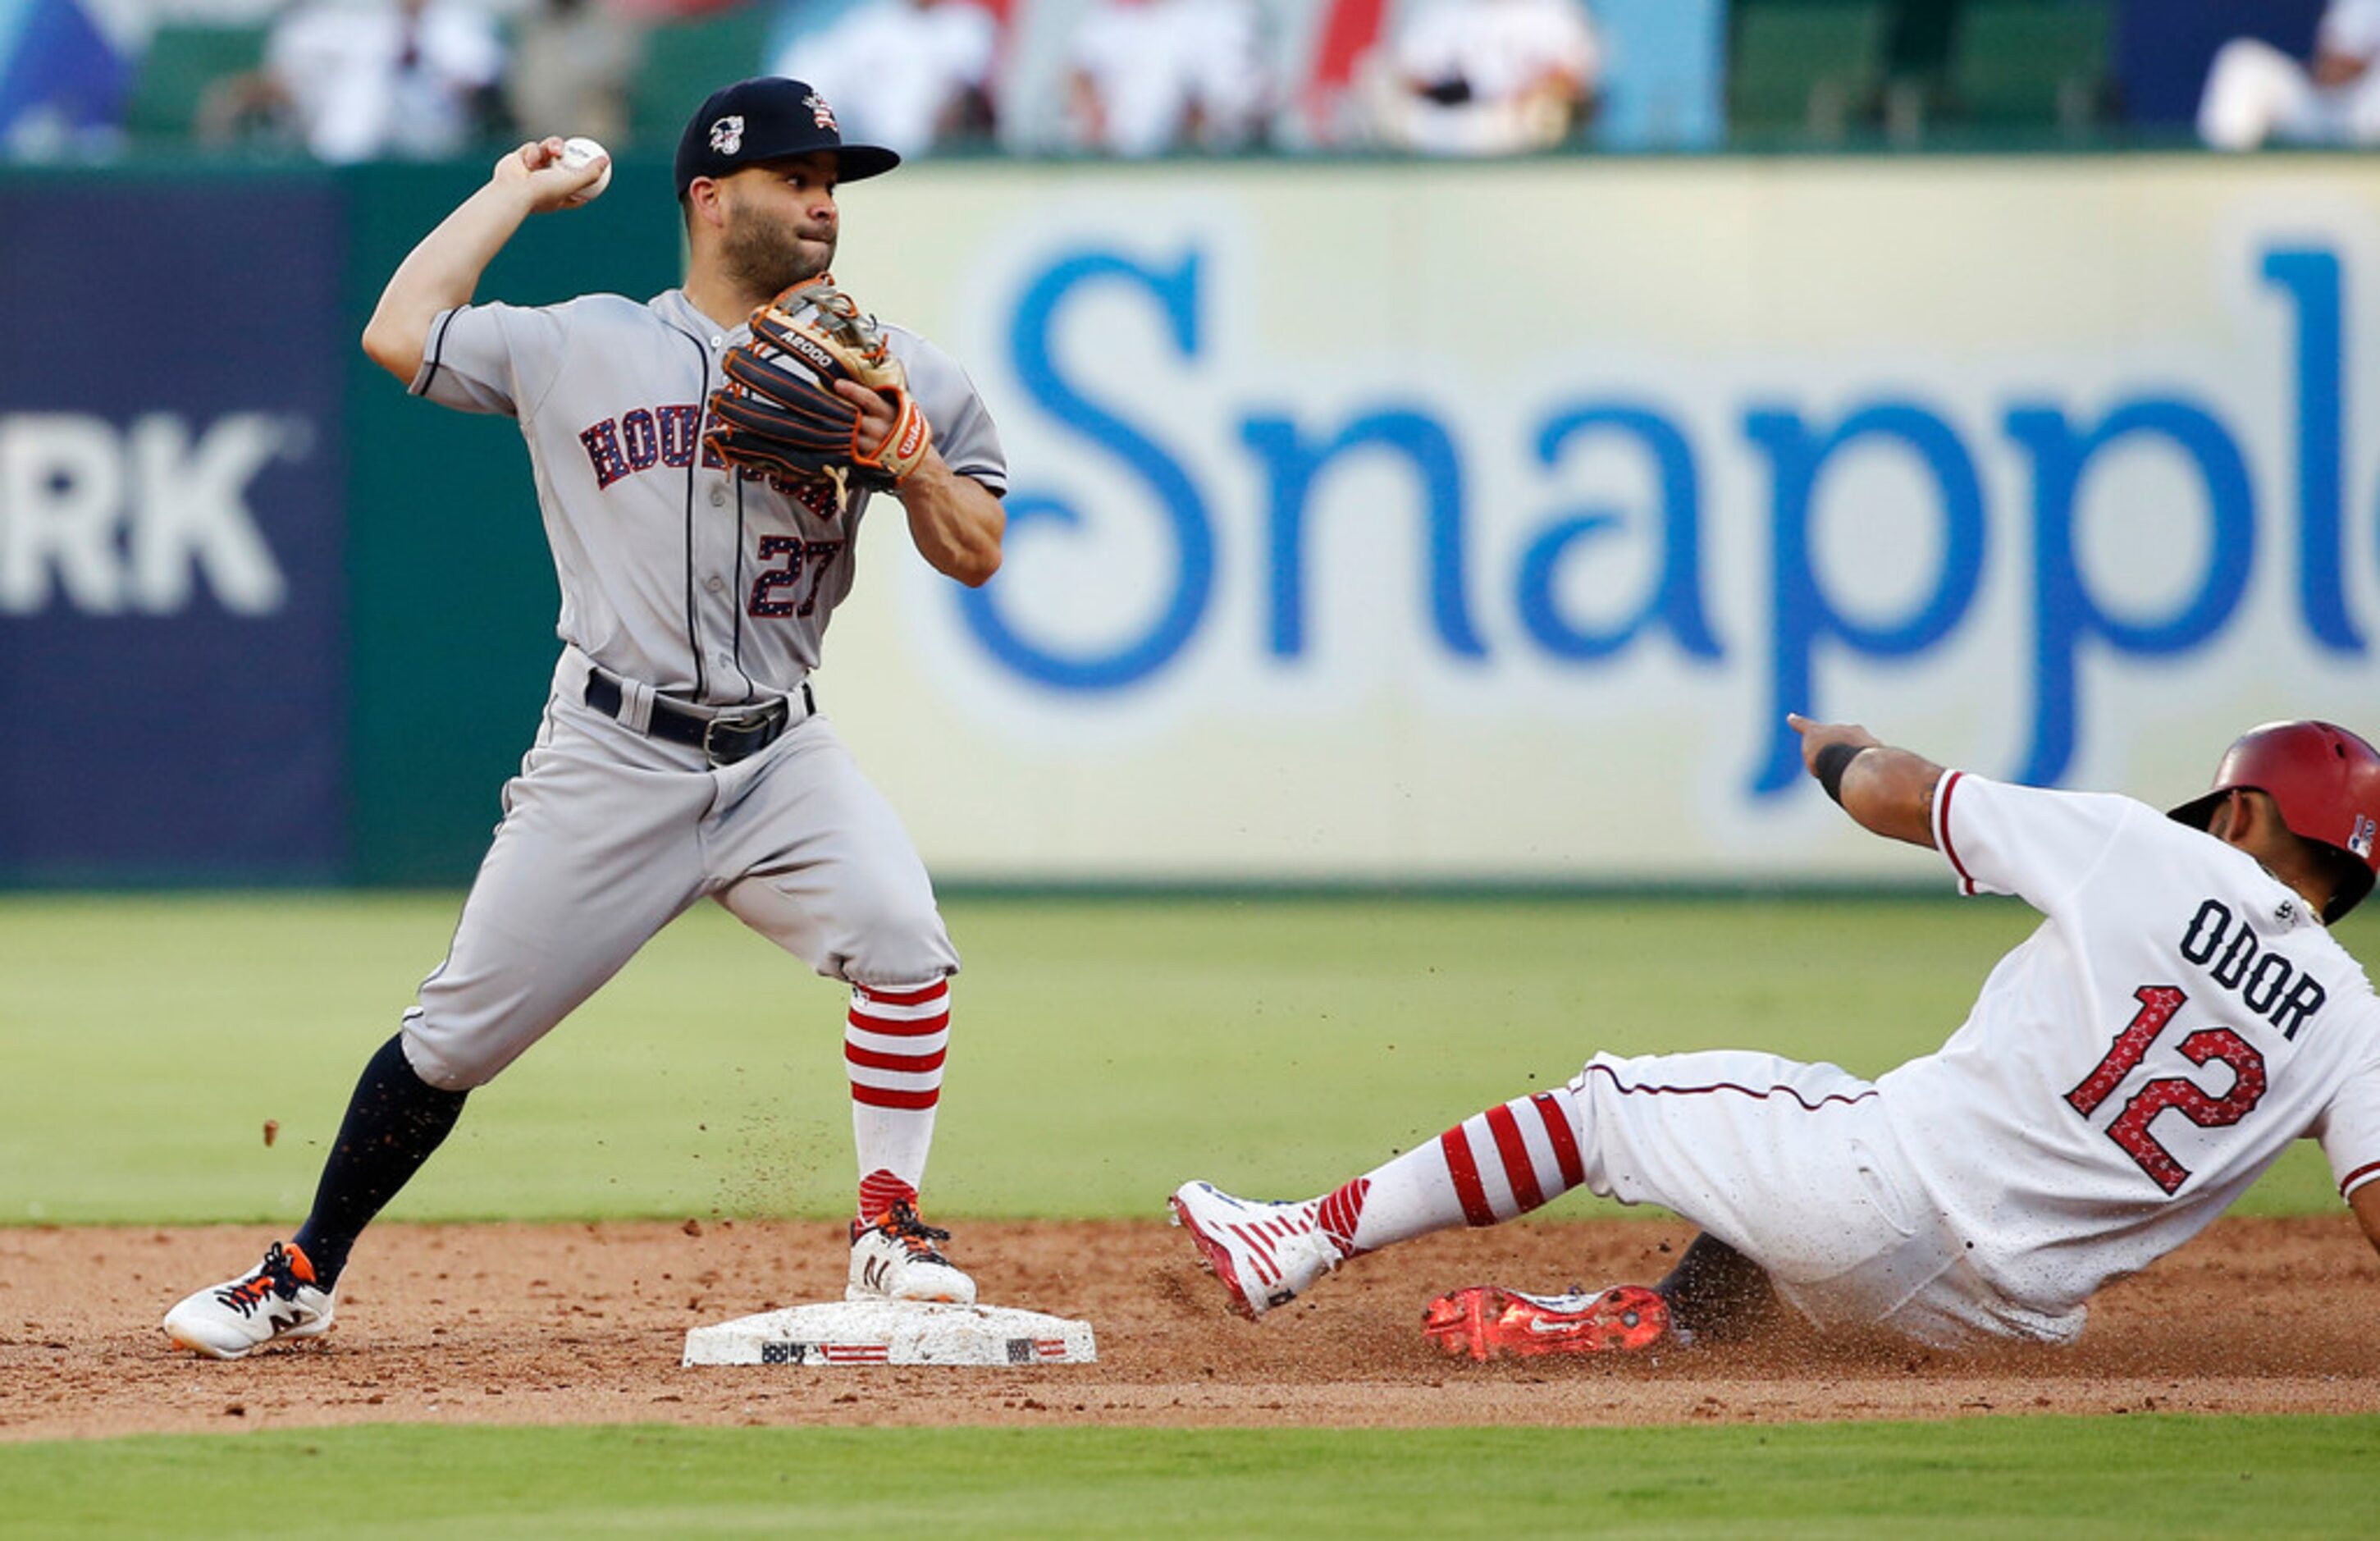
[[1487, 1322], [279, 1299], [894, 1257]]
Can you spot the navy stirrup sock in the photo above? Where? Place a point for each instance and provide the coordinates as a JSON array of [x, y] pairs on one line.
[[393, 1122]]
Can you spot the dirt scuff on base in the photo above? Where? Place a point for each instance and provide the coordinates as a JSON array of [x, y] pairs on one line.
[[519, 1324]]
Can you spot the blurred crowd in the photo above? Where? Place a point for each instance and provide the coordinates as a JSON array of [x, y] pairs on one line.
[[2259, 93], [347, 81]]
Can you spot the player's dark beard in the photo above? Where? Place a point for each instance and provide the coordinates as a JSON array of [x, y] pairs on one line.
[[766, 254]]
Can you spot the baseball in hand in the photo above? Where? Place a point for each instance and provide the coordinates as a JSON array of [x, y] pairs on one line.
[[575, 155]]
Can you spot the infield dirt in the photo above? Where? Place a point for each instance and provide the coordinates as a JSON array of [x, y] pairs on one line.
[[584, 1323]]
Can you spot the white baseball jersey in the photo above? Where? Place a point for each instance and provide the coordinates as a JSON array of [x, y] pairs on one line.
[[2127, 1072], [706, 584], [1499, 48], [2178, 1018], [2254, 92], [892, 69], [2351, 27], [1152, 63], [371, 82]]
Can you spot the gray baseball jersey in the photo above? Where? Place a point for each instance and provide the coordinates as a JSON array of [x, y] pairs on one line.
[[674, 570], [688, 589]]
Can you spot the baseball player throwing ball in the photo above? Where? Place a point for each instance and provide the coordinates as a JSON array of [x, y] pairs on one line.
[[702, 487], [2180, 1016]]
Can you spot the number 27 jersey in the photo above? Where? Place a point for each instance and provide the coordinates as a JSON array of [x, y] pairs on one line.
[[2179, 1017], [707, 583]]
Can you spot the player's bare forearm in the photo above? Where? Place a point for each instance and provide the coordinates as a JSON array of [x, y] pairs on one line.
[[1089, 113], [440, 274], [1887, 791], [2365, 1202], [443, 270], [2333, 70], [955, 521]]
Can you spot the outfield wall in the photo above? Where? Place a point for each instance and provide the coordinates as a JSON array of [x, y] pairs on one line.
[[1442, 523]]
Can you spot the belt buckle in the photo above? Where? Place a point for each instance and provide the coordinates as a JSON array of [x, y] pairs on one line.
[[712, 749], [755, 725]]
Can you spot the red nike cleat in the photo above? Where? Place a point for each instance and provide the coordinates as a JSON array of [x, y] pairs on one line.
[[1487, 1322]]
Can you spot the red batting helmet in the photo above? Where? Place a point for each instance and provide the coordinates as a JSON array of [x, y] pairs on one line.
[[2327, 782]]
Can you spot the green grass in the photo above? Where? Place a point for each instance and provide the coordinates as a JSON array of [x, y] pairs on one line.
[[2048, 1477], [1104, 1050]]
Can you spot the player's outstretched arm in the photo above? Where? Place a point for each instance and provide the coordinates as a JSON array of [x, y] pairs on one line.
[[1888, 791], [442, 272]]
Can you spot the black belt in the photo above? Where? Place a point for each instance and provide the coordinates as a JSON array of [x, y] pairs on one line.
[[723, 739]]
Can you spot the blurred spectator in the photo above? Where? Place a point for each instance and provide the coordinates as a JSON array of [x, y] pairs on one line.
[[1490, 77], [905, 74], [2257, 94], [368, 79], [1920, 37], [572, 61], [1150, 76]]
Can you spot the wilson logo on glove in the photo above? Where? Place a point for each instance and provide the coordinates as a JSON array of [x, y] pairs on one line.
[[905, 445]]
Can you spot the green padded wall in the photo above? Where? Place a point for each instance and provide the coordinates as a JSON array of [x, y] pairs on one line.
[[452, 593]]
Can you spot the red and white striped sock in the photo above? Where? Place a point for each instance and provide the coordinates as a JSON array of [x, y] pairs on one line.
[[1490, 1167], [894, 1045]]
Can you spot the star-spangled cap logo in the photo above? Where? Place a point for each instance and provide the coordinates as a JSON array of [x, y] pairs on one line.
[[768, 118], [2360, 841]]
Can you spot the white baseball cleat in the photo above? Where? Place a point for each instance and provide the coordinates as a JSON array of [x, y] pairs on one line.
[[277, 1300], [893, 1258], [1265, 1255]]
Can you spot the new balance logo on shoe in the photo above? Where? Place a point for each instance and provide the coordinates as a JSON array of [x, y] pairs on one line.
[[280, 1300], [896, 1258]]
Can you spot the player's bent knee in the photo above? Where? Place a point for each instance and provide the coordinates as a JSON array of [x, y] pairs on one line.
[[453, 1061], [896, 939], [889, 964]]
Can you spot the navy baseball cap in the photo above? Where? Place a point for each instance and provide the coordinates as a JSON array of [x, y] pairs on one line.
[[764, 119]]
